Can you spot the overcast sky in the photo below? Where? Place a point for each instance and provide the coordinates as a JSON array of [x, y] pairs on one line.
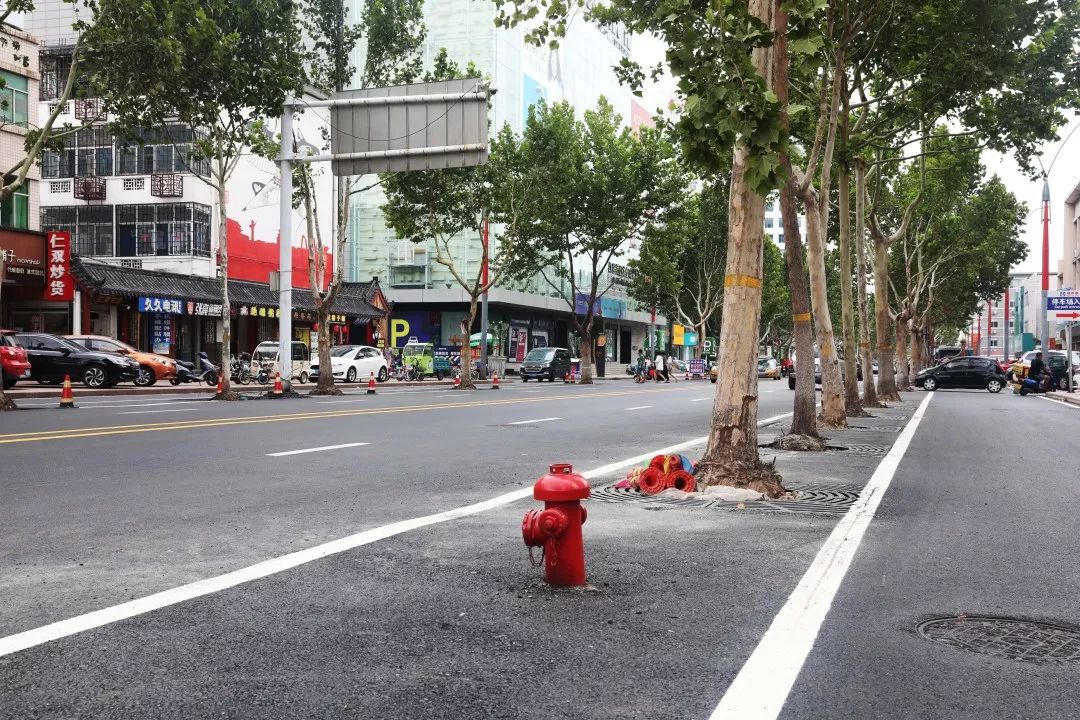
[[1064, 176]]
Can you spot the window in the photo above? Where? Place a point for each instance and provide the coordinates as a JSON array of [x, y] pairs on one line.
[[779, 222], [87, 153], [14, 99], [770, 206], [54, 74], [15, 210], [768, 222], [780, 239], [163, 229], [91, 227], [162, 150]]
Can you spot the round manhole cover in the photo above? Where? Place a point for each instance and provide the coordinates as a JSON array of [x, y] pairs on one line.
[[1006, 638]]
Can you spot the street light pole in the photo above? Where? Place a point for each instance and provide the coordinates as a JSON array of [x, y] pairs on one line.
[[285, 247], [1044, 320], [484, 300]]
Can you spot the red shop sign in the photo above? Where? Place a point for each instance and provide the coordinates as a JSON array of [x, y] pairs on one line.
[[59, 285]]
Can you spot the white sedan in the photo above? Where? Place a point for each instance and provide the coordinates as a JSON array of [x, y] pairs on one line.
[[350, 363]]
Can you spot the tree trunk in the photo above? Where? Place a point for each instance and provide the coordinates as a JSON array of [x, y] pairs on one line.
[[886, 387], [226, 310], [804, 418], [832, 388], [585, 354], [916, 344], [466, 351], [869, 398], [325, 385], [731, 456], [903, 381], [851, 374]]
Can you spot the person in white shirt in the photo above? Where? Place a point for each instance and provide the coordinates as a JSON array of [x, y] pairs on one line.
[[670, 366], [661, 374]]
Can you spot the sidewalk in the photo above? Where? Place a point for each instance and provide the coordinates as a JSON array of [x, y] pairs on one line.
[[29, 390]]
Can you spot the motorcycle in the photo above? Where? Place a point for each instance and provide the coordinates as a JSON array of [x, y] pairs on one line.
[[186, 372], [240, 371]]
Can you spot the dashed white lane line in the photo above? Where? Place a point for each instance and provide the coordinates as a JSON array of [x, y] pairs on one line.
[[154, 412], [533, 422], [284, 453], [700, 399], [639, 407], [761, 688], [139, 606]]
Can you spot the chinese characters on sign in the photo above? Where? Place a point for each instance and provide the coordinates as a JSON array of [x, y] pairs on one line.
[[201, 308], [161, 333], [160, 305], [59, 285]]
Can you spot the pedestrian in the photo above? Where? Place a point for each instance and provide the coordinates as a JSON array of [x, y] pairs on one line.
[[639, 368], [672, 367], [659, 365]]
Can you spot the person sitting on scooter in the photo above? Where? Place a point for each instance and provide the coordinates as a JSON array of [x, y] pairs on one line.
[[1037, 369]]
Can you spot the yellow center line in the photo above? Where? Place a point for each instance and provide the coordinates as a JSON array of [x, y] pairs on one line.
[[75, 433]]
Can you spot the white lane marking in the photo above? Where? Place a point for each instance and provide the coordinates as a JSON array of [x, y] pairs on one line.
[[640, 407], [154, 412], [762, 686], [106, 616], [530, 422], [315, 449], [700, 399], [338, 402], [1061, 402]]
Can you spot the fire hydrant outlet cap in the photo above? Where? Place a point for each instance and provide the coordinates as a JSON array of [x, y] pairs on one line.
[[561, 487]]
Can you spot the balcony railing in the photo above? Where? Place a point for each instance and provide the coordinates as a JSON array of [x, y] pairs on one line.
[[89, 109]]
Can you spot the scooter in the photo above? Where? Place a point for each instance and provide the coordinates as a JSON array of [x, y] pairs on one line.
[[186, 372]]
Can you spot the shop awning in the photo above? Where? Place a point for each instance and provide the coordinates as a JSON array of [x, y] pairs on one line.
[[108, 279]]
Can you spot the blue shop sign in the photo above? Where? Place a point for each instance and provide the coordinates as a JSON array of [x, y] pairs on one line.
[[161, 305]]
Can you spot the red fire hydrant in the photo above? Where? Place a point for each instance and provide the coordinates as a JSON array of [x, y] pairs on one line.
[[557, 528]]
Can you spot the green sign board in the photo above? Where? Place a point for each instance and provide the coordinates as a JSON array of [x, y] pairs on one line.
[[708, 349]]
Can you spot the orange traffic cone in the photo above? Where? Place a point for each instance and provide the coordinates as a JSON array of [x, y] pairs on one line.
[[67, 400], [278, 389], [495, 381], [371, 384], [457, 382]]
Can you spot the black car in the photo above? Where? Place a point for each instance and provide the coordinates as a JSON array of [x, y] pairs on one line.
[[963, 372], [545, 364], [817, 372], [52, 357]]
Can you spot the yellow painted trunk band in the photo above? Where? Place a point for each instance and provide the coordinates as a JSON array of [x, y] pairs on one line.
[[801, 317], [742, 281]]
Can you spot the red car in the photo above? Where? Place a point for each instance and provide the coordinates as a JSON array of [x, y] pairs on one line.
[[13, 360]]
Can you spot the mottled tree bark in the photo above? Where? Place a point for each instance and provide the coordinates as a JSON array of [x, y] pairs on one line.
[[731, 456], [851, 375], [869, 398], [886, 386]]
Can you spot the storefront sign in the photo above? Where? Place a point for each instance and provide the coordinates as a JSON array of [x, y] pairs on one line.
[[581, 305], [690, 338], [612, 308], [59, 285], [201, 308], [161, 305], [160, 333], [678, 333], [258, 311], [24, 256]]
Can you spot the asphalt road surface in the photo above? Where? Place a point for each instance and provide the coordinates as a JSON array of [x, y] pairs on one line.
[[425, 616]]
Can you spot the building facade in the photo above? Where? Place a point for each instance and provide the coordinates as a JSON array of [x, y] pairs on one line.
[[988, 328], [429, 303], [141, 205]]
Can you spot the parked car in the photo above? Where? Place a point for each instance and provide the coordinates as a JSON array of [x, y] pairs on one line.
[[266, 355], [52, 357], [152, 367], [13, 360], [350, 363], [767, 367], [817, 372], [547, 363], [963, 372]]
